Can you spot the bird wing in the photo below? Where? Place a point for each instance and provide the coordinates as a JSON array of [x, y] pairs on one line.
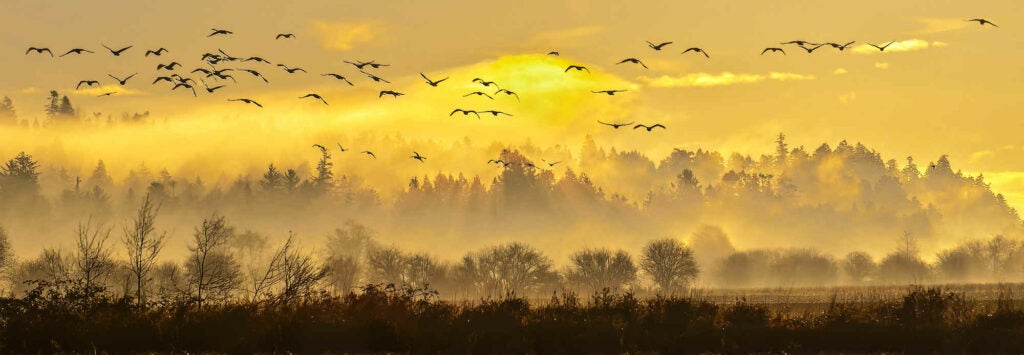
[[658, 125], [764, 51], [638, 126]]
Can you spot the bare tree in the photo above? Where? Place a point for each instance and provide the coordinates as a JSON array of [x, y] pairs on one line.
[[212, 270], [597, 269], [859, 266], [387, 265], [508, 269], [93, 263], [343, 272], [142, 245], [669, 263], [300, 273]]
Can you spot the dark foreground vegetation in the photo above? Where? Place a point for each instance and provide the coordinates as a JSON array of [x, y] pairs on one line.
[[73, 318]]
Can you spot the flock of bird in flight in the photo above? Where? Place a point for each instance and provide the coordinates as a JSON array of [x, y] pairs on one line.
[[219, 74]]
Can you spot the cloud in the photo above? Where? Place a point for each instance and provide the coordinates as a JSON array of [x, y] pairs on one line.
[[909, 45], [840, 71], [563, 36], [936, 25], [882, 65], [344, 36], [96, 91], [722, 79]]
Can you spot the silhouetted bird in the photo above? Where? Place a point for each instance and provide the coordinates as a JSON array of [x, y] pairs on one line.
[[485, 82], [464, 112], [169, 67], [163, 78], [981, 21], [182, 84], [157, 52], [182, 79], [339, 77], [367, 152], [616, 125], [649, 128], [553, 53], [697, 50], [377, 65], [632, 60], [202, 70], [840, 46], [496, 113], [258, 75], [389, 92], [800, 43], [257, 59], [226, 56], [657, 47], [374, 77], [577, 67], [882, 48], [609, 92], [359, 65], [431, 82], [551, 165], [291, 70], [507, 92], [419, 157], [106, 94], [87, 83], [773, 49], [315, 96], [248, 101], [219, 32], [210, 90], [284, 35], [76, 51], [812, 49], [124, 81], [116, 53], [39, 50], [342, 149], [478, 93]]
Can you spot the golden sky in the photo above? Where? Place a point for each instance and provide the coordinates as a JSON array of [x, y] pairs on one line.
[[945, 87]]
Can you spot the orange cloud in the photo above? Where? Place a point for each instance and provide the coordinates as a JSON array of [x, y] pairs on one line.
[[722, 79]]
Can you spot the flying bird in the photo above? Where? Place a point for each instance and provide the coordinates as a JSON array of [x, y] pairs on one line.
[[186, 85], [76, 51], [291, 70], [507, 92], [182, 79], [432, 82], [284, 35], [315, 96], [464, 112], [339, 77], [359, 65], [39, 50], [106, 94], [169, 67], [882, 48], [553, 53], [158, 52], [116, 53], [550, 164], [800, 43], [496, 113], [649, 128], [609, 92], [258, 75], [257, 59], [389, 92], [616, 125], [210, 90], [478, 93], [163, 78], [219, 32], [773, 49], [419, 157], [377, 65], [374, 77], [367, 152], [981, 21], [248, 101], [122, 81], [577, 67], [812, 49], [485, 82], [202, 70], [840, 46], [342, 149], [226, 56], [696, 50], [632, 60], [87, 83], [657, 47]]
